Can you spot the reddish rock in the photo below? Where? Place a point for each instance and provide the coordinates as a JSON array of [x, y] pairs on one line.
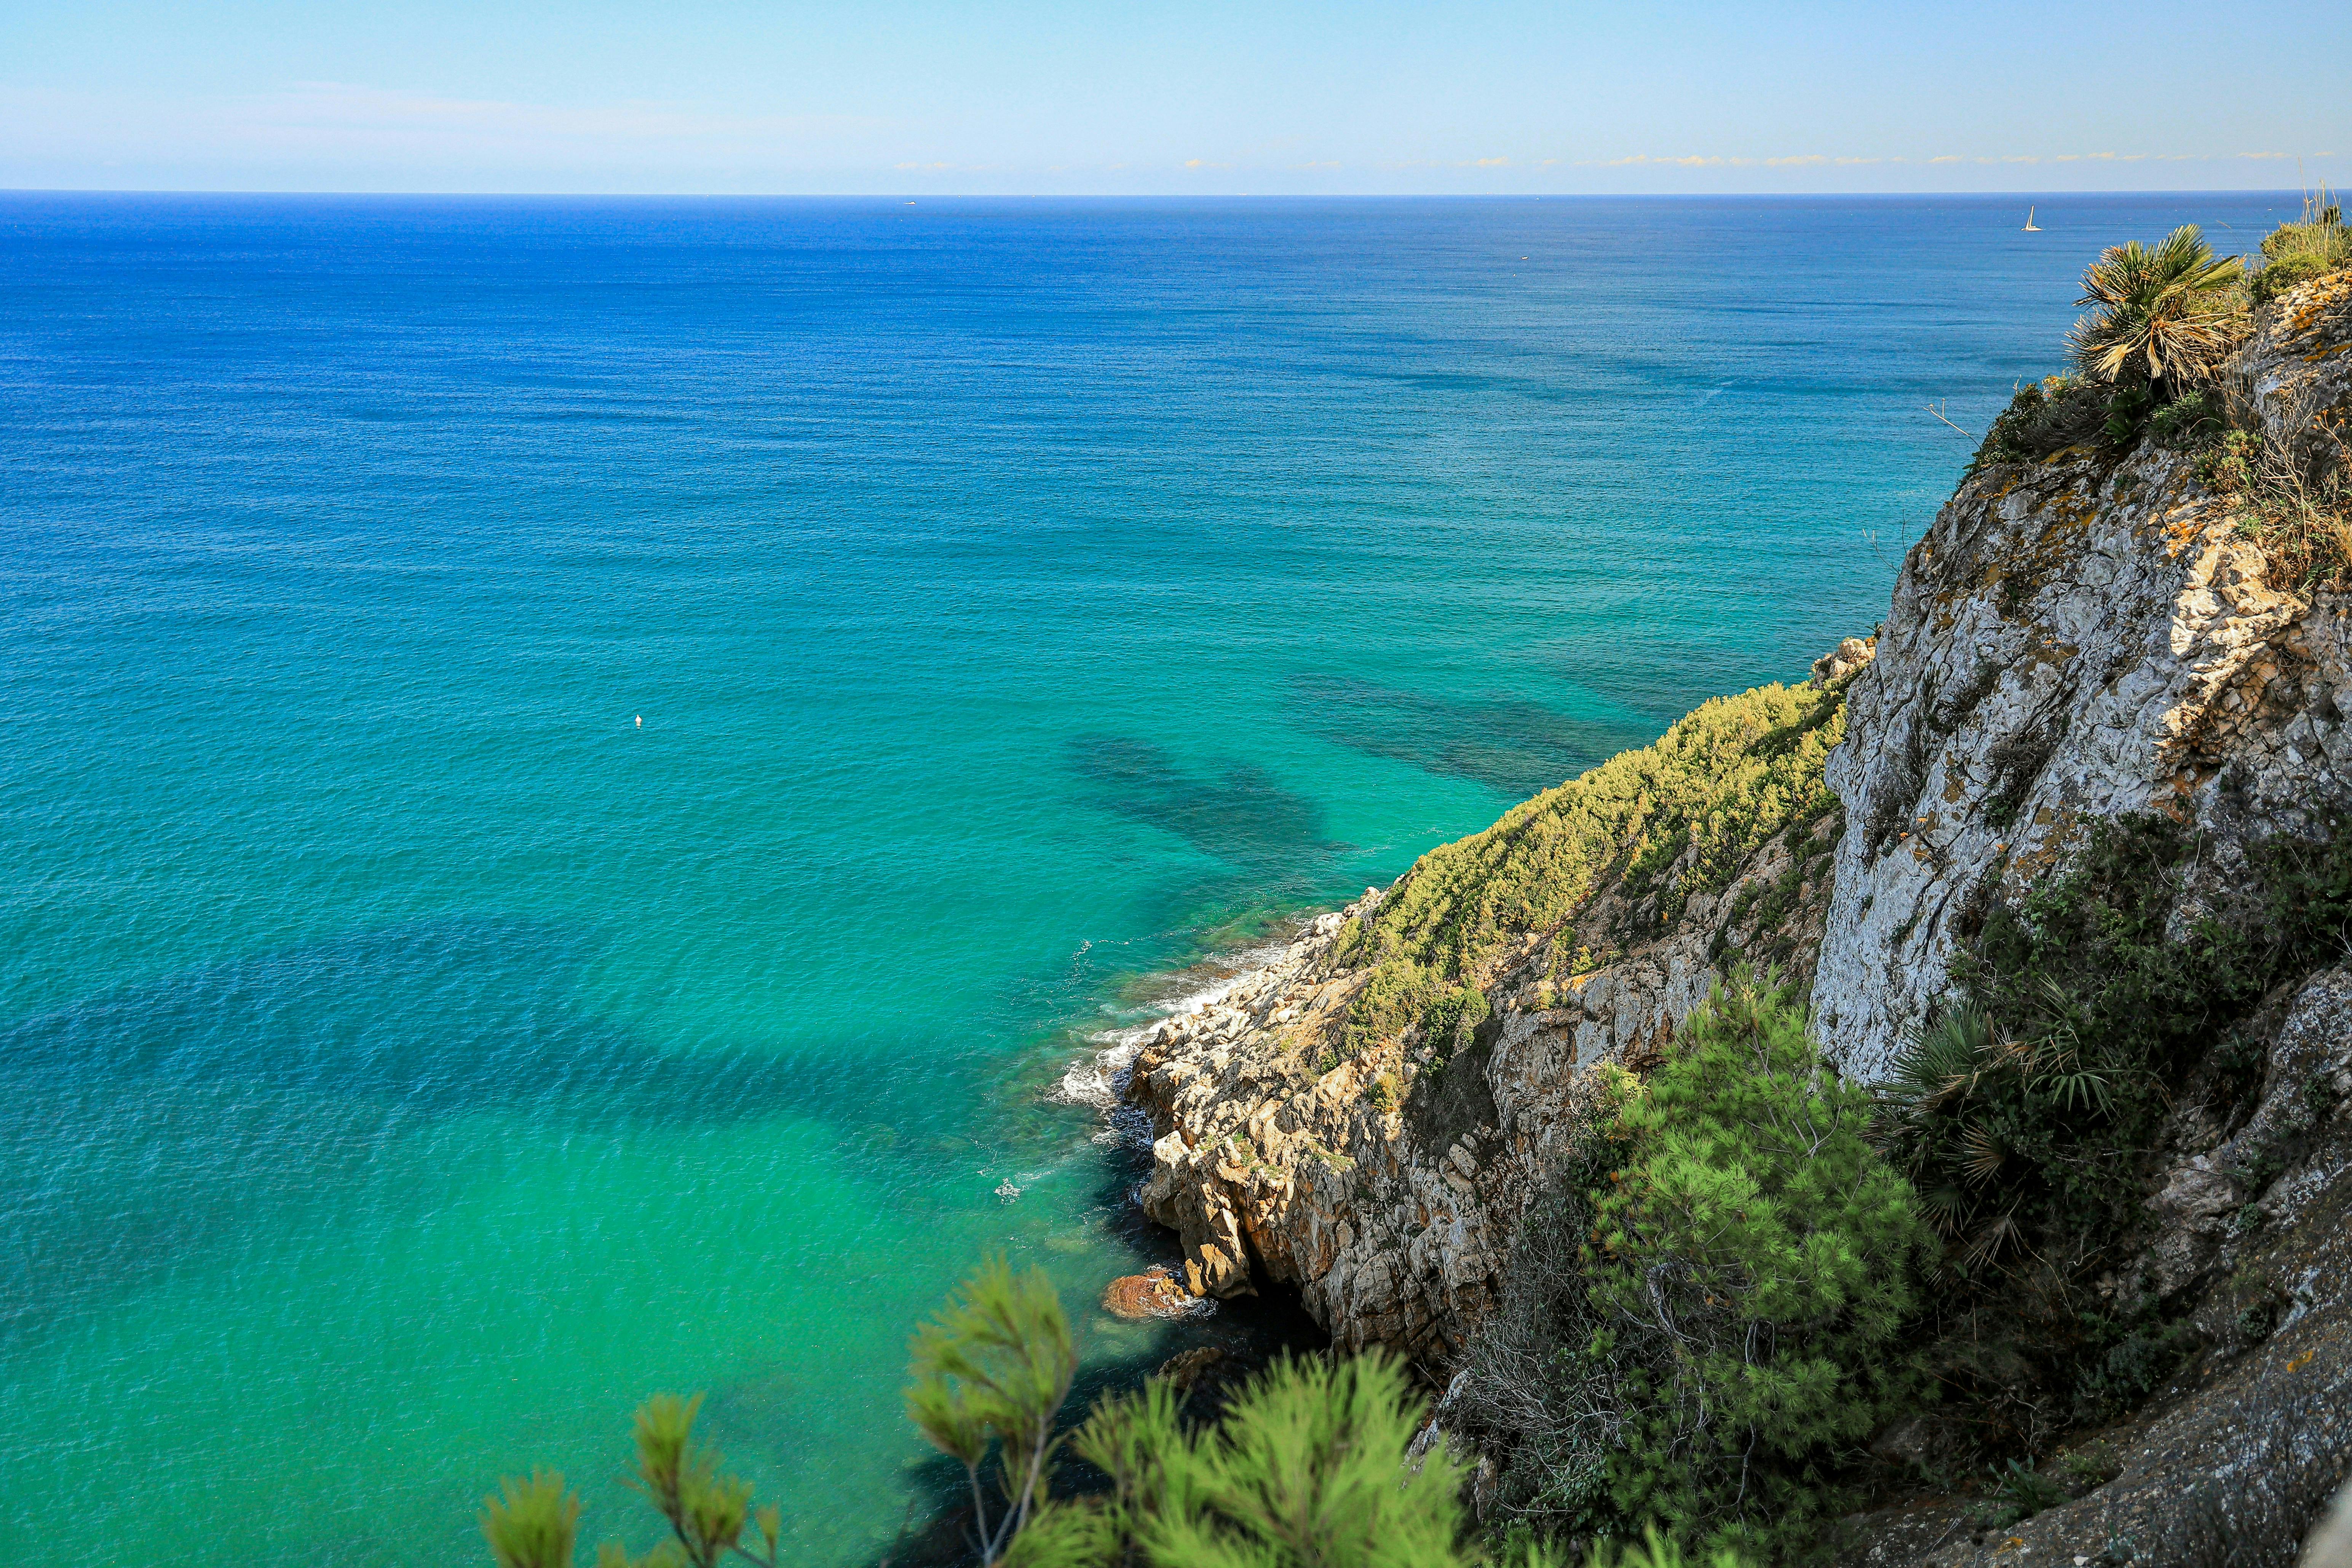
[[1150, 1294]]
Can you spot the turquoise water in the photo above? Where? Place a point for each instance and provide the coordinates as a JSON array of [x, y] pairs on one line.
[[412, 1060]]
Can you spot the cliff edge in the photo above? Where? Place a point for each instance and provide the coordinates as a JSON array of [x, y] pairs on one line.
[[2076, 639]]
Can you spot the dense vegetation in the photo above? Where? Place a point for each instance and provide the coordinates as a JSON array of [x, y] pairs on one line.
[[1703, 1308], [2028, 1114], [2149, 359], [2296, 253], [1716, 1301], [1674, 819]]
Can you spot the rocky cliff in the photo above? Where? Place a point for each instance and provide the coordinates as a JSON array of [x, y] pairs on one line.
[[2103, 634], [2081, 642], [2073, 640]]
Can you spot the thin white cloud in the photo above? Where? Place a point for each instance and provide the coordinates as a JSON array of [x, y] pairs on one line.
[[1723, 161], [319, 134], [350, 110], [358, 125]]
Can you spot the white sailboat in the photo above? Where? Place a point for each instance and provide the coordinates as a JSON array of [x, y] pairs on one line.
[[2031, 227]]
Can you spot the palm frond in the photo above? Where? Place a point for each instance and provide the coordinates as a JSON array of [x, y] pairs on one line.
[[2078, 1089], [1982, 1154], [2001, 1233], [1942, 1061], [2173, 306], [1947, 1208]]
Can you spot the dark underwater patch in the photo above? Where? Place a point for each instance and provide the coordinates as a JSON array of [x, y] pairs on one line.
[[1241, 815], [430, 1017], [1514, 747]]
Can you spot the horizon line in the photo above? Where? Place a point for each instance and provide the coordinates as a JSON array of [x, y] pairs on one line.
[[911, 195]]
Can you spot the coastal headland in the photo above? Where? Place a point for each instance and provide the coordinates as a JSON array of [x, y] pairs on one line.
[[2112, 677]]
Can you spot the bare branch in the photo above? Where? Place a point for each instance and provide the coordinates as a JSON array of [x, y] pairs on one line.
[[1937, 410]]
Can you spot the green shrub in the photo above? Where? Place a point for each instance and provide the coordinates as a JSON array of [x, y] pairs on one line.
[[2087, 973], [1653, 1551], [2295, 253], [2192, 422], [1743, 1270], [2228, 467], [1306, 1469], [1453, 1017], [533, 1524], [2018, 1492], [1762, 1230], [2129, 408], [2289, 273], [2026, 1116], [1708, 793], [2136, 1360], [2320, 230], [2043, 418]]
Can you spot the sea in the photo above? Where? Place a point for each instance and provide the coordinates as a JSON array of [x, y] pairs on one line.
[[576, 774]]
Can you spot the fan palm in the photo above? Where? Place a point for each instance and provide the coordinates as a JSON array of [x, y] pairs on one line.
[[2168, 311], [1943, 1063]]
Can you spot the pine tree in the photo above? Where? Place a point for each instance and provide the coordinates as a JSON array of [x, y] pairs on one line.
[[1753, 1257]]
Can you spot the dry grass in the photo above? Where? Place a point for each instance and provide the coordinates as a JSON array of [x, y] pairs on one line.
[[2297, 489], [2295, 253]]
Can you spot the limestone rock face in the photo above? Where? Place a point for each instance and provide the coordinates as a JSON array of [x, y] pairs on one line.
[[2075, 639], [2072, 640], [1843, 660], [2210, 1199]]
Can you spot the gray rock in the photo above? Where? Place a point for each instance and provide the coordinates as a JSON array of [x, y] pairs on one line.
[[2072, 641]]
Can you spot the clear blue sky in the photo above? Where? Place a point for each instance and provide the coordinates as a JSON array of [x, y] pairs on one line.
[[903, 96]]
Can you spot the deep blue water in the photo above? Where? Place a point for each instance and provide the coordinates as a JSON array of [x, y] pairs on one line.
[[412, 1060]]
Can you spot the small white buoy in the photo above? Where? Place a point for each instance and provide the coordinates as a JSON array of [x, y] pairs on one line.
[[641, 721]]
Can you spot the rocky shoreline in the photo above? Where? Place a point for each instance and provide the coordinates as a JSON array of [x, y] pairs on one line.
[[1386, 1193]]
